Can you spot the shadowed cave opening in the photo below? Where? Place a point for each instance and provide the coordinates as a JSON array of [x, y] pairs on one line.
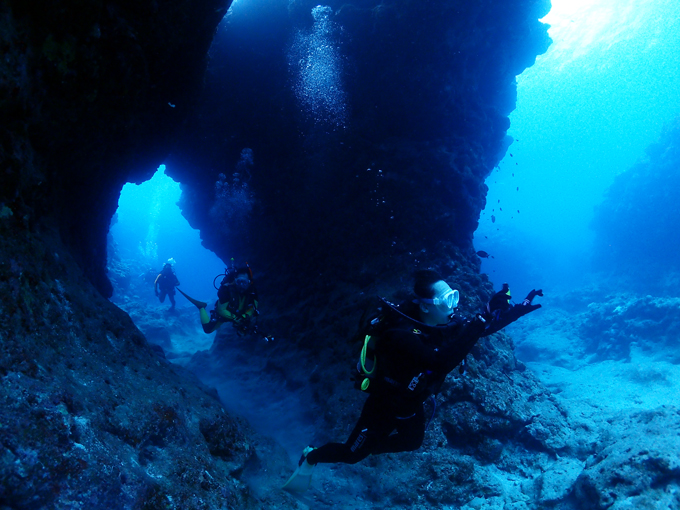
[[149, 231]]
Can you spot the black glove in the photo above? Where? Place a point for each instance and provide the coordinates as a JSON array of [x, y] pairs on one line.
[[525, 307], [530, 297], [502, 317]]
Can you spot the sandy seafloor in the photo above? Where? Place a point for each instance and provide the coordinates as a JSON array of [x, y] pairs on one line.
[[552, 342], [591, 387]]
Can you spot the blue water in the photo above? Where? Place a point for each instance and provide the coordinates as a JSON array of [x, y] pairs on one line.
[[151, 229], [585, 112]]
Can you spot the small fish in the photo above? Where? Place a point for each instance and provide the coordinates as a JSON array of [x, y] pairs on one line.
[[171, 105], [517, 211], [493, 219], [500, 208], [484, 254], [499, 200], [517, 188], [511, 155]]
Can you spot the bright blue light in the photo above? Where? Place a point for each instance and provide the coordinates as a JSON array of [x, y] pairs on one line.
[[150, 229], [586, 111]]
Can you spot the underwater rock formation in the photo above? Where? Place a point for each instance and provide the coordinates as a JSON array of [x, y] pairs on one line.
[[630, 222], [91, 415], [638, 466], [608, 325], [423, 89], [91, 96], [649, 323]]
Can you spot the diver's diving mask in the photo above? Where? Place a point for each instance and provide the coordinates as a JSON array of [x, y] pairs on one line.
[[448, 298], [242, 281]]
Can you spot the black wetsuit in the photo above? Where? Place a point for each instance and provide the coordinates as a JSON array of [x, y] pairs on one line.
[[165, 284], [414, 359]]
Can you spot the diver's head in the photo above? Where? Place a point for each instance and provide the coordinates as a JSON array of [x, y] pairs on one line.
[[436, 299], [242, 281], [171, 262]]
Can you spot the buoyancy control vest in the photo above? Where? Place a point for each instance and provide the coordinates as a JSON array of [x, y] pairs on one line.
[[395, 346]]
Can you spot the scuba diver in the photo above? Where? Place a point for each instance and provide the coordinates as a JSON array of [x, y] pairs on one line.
[[165, 283], [236, 302], [408, 351]]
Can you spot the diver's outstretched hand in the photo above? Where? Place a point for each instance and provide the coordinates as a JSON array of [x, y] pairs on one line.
[[526, 306], [501, 316], [530, 297]]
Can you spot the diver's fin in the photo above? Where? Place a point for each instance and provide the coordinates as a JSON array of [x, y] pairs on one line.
[[198, 304], [301, 478]]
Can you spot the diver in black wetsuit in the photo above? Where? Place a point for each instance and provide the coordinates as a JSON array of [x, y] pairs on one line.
[[165, 283], [416, 352]]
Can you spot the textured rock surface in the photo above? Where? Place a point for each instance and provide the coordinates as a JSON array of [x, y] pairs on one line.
[[92, 417], [426, 89], [603, 326], [639, 466], [629, 223], [91, 95]]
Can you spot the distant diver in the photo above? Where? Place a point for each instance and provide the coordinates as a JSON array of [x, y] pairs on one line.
[[165, 283], [236, 302]]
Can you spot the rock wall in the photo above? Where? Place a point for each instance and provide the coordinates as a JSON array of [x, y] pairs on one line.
[[91, 95], [91, 415], [635, 224], [358, 178], [371, 151]]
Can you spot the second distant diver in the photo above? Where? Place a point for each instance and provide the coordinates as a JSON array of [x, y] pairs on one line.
[[165, 283], [236, 302]]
